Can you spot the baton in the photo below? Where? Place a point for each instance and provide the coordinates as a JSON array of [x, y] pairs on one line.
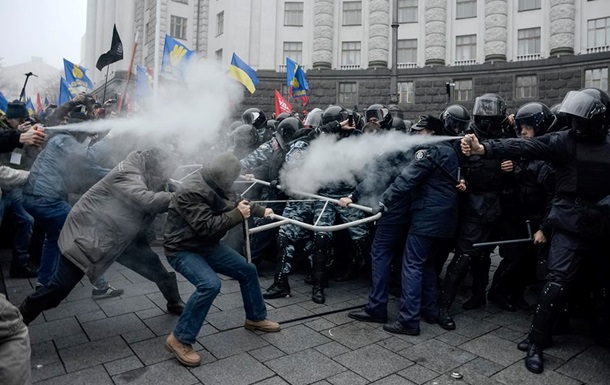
[[510, 241]]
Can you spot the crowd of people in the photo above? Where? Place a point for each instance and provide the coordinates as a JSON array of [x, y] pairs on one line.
[[536, 182]]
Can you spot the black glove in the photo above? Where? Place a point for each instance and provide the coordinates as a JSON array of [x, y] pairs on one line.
[[273, 183], [380, 208]]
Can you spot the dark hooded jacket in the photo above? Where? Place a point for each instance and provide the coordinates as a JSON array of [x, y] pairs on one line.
[[204, 208]]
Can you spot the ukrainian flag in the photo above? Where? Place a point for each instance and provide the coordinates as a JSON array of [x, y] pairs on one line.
[[242, 72]]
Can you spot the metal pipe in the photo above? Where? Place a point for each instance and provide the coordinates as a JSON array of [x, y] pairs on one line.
[[510, 241], [284, 220]]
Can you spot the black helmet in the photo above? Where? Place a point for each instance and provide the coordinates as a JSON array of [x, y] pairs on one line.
[[399, 124], [254, 116], [379, 112], [286, 130], [271, 125], [455, 119], [562, 120], [234, 125], [429, 122], [334, 114], [281, 117], [244, 136], [489, 113], [314, 118], [588, 112], [536, 115]]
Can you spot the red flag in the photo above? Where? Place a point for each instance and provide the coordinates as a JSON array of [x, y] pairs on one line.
[[39, 107], [281, 104]]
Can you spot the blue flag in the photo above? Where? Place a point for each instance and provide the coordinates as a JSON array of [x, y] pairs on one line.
[[295, 79], [3, 103], [143, 83], [175, 58], [64, 92], [30, 107], [46, 101], [76, 78], [243, 73]]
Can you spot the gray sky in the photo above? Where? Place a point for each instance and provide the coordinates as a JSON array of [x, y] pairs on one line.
[[51, 29]]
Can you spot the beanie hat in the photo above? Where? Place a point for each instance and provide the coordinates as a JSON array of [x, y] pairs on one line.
[[224, 170], [16, 110]]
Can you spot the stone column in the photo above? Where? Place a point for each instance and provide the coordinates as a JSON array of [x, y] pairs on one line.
[[436, 31], [496, 33], [379, 30], [323, 34], [561, 41]]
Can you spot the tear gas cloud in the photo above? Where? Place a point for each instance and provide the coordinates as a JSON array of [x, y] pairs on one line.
[[182, 115], [328, 160]]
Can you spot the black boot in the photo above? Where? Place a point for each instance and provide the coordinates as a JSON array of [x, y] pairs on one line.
[[18, 270], [27, 314], [534, 361], [169, 289], [497, 291], [357, 262], [480, 279], [456, 271], [279, 289], [317, 292], [445, 320], [320, 257]]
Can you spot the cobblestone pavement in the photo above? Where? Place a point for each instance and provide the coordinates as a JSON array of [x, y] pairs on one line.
[[121, 340]]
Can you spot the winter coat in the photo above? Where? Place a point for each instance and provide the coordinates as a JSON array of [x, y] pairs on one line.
[[107, 218], [11, 178]]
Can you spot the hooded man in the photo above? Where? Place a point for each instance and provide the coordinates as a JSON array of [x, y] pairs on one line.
[[200, 214]]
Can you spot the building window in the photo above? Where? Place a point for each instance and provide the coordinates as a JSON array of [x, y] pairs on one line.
[[352, 13], [466, 9], [294, 50], [529, 41], [406, 93], [181, 1], [527, 87], [407, 11], [463, 90], [220, 23], [597, 77], [598, 32], [219, 55], [407, 51], [527, 5], [350, 55], [465, 48], [348, 94], [293, 14], [178, 27]]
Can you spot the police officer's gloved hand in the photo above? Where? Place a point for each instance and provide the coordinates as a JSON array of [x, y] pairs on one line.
[[379, 208]]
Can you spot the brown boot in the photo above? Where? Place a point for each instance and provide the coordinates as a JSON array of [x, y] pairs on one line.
[[263, 326], [183, 352]]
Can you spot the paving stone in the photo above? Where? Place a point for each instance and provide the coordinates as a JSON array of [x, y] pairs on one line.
[[495, 349], [66, 342], [138, 335], [295, 338], [229, 319], [170, 372], [392, 380], [48, 331], [266, 353], [287, 313], [229, 301], [123, 365], [152, 351], [568, 346], [347, 378], [163, 324], [323, 382], [591, 366], [126, 305], [452, 338], [94, 353], [234, 370], [45, 361], [206, 330], [508, 334], [93, 316], [481, 365], [295, 298], [469, 377], [332, 349], [427, 332], [149, 313], [109, 327], [92, 376], [232, 342], [373, 362], [418, 374], [338, 318], [42, 372], [134, 277], [227, 287], [518, 374], [437, 355], [273, 381], [319, 324], [472, 327], [512, 320], [305, 367], [395, 344], [356, 334]]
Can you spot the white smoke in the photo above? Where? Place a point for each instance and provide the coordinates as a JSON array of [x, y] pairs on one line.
[[328, 160]]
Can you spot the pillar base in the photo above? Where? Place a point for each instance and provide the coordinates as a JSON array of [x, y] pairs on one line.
[[495, 57], [435, 62], [562, 51], [378, 64], [322, 65]]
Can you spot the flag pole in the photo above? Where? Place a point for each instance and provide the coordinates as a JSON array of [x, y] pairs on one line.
[[157, 41], [133, 56], [105, 84]]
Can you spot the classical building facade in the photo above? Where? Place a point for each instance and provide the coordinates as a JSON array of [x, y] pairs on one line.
[[522, 49]]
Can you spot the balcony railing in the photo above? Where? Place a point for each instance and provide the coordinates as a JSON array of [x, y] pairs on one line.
[[406, 65], [282, 68], [531, 56], [350, 67], [466, 62], [604, 48]]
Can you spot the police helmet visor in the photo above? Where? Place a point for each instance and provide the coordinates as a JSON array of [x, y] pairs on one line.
[[488, 107], [378, 114], [250, 117], [455, 125], [314, 118], [582, 105]]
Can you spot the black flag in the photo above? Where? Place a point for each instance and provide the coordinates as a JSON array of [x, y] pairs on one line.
[[115, 54]]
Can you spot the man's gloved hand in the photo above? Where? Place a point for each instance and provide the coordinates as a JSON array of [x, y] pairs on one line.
[[274, 183], [380, 208]]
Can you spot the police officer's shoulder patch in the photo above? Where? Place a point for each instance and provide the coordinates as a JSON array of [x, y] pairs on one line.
[[421, 154]]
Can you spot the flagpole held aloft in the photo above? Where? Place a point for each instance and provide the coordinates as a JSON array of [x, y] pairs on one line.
[[157, 49], [133, 56], [27, 76]]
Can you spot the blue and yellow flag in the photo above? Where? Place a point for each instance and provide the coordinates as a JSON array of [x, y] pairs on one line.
[[3, 103], [144, 82], [175, 58], [243, 73], [295, 78], [76, 78], [64, 92], [30, 107]]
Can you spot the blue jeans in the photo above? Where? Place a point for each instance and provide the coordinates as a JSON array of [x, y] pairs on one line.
[[12, 201], [200, 269]]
